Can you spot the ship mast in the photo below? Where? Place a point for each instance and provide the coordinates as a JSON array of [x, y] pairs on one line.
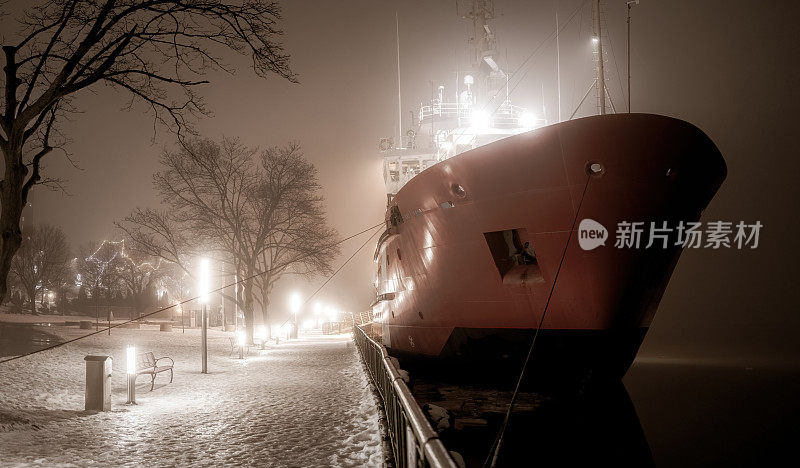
[[600, 83], [486, 69]]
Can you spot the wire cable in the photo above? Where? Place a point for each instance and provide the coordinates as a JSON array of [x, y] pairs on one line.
[[108, 328], [495, 450], [335, 272]]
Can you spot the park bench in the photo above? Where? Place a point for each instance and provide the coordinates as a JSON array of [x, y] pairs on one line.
[[147, 363]]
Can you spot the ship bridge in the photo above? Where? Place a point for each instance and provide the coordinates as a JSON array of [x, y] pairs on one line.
[[446, 129]]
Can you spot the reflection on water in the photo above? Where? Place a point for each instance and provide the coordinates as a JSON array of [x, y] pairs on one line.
[[716, 415], [598, 429], [19, 338]]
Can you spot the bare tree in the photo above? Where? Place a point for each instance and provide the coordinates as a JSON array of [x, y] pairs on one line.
[[42, 261], [299, 240], [248, 209], [158, 51], [99, 267], [139, 273]]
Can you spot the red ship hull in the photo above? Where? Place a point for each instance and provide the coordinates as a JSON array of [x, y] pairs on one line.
[[451, 288]]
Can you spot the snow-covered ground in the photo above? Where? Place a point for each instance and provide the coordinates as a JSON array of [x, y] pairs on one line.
[[300, 403]]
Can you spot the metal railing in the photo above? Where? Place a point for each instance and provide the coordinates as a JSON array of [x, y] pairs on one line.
[[413, 440]]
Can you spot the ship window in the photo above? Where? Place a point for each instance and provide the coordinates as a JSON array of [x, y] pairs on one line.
[[411, 167], [395, 218], [394, 173], [514, 256], [447, 205]]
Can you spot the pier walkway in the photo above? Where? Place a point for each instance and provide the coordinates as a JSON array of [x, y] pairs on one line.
[[305, 402]]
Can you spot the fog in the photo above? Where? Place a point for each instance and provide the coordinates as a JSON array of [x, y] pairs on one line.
[[728, 67]]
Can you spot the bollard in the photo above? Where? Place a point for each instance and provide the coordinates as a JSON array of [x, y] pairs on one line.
[[131, 368], [98, 383]]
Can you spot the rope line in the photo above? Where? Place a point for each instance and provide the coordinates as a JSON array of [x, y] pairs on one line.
[[108, 328], [336, 272], [495, 450]]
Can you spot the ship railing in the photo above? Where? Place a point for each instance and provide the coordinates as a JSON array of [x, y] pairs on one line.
[[445, 110], [414, 442]]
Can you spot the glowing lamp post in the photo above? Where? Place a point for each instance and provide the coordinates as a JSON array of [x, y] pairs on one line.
[[294, 305], [317, 314], [203, 287], [131, 370]]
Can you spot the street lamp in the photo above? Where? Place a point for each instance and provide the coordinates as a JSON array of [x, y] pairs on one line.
[[295, 302], [203, 282], [317, 314]]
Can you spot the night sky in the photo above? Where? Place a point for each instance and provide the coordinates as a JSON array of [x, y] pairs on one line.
[[728, 67]]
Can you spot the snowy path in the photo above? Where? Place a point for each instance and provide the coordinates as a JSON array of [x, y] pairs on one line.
[[302, 403]]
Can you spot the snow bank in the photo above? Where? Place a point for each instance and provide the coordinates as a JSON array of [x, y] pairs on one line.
[[301, 403]]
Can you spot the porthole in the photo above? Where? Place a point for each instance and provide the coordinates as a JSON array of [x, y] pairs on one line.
[[594, 168]]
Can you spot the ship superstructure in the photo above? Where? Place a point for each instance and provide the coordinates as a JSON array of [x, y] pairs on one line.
[[475, 112]]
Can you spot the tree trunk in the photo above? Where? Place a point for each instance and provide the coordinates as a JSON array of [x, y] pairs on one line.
[[265, 310], [11, 205], [248, 309], [32, 297]]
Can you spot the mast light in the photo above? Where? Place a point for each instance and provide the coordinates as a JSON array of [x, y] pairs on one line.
[[480, 119]]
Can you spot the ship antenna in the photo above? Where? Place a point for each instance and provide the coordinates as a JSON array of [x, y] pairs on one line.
[[558, 64], [629, 4], [399, 143], [600, 84]]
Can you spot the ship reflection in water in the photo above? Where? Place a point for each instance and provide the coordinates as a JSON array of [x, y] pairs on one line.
[[666, 412], [598, 429]]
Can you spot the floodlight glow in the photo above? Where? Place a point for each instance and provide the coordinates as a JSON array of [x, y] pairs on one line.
[[446, 145], [241, 339], [332, 313], [479, 119], [295, 302], [527, 120], [131, 359], [594, 39], [261, 332], [317, 308], [307, 325], [204, 280], [468, 80]]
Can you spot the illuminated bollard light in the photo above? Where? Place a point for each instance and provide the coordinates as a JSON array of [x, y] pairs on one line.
[[98, 383], [261, 335], [241, 338], [131, 368]]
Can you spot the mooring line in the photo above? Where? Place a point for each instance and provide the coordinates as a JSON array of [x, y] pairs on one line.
[[108, 328]]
